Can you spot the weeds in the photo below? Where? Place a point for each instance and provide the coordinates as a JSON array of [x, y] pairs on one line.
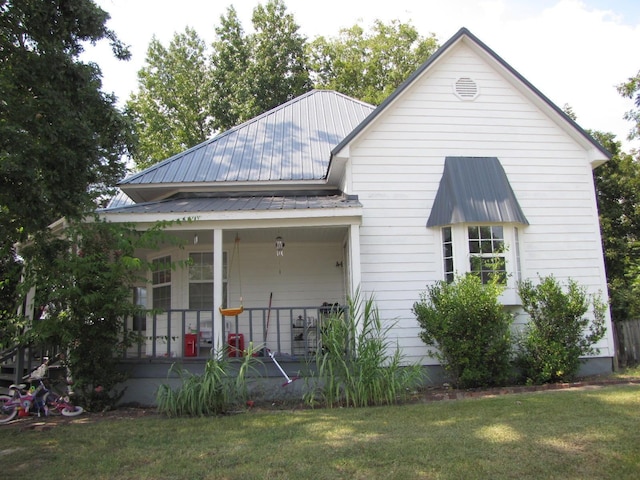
[[214, 392], [354, 366]]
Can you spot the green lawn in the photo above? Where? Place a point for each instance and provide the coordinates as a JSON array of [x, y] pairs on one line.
[[577, 434]]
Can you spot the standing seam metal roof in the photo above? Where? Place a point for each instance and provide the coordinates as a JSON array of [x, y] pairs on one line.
[[291, 142], [474, 190]]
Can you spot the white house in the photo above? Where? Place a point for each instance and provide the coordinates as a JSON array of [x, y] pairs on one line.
[[323, 195]]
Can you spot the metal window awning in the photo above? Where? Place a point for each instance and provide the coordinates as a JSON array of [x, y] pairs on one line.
[[474, 190]]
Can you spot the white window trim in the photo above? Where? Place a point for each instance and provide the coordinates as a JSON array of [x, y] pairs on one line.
[[462, 256]]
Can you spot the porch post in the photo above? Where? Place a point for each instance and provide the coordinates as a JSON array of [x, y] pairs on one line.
[[354, 259], [216, 317]]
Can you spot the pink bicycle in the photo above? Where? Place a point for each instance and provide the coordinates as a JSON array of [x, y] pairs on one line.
[[38, 399]]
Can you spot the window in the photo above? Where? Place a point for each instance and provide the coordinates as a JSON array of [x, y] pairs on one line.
[[487, 252], [201, 281], [140, 299], [161, 282], [447, 254]]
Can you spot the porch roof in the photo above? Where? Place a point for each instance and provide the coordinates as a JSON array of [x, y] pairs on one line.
[[197, 204]]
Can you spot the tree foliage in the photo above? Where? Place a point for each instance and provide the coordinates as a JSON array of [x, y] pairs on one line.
[[171, 108], [618, 195], [85, 277], [631, 89], [370, 65], [61, 138]]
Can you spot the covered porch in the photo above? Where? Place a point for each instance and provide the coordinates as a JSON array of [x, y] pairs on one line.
[[241, 289]]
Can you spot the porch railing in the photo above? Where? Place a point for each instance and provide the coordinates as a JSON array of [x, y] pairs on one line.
[[288, 332]]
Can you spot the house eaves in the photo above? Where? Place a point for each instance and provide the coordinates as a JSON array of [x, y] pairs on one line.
[[238, 207], [289, 144], [598, 154]]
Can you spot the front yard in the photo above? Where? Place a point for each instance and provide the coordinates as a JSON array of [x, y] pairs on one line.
[[580, 433]]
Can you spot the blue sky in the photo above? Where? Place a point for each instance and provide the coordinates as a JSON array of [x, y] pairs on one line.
[[574, 51]]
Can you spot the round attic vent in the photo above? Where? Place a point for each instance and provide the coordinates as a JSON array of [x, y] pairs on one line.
[[466, 88]]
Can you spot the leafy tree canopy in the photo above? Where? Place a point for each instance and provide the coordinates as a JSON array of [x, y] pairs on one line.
[[61, 138], [171, 109], [631, 89], [370, 65], [618, 194]]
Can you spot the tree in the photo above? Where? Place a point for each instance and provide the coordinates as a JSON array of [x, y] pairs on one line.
[[171, 110], [61, 137], [617, 185], [85, 277], [278, 70], [628, 90], [369, 66], [230, 63]]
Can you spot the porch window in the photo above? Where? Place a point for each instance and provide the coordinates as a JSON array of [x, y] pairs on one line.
[[161, 283], [201, 281]]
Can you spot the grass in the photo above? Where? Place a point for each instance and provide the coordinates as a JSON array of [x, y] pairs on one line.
[[577, 434]]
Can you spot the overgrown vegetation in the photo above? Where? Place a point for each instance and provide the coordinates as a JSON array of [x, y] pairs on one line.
[[358, 364], [83, 279], [469, 329], [558, 332], [219, 388]]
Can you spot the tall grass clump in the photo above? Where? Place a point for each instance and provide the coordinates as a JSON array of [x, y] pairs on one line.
[[469, 329], [220, 387], [559, 332], [358, 365]]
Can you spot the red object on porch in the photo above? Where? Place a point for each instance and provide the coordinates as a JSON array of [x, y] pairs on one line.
[[190, 340], [236, 344]]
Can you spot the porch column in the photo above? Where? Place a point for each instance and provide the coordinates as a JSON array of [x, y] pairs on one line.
[[216, 317], [354, 259]]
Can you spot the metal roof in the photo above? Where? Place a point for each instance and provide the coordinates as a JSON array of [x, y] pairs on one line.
[[292, 142], [474, 190], [196, 204]]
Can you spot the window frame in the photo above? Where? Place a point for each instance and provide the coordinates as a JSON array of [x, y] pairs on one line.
[[461, 253], [161, 282]]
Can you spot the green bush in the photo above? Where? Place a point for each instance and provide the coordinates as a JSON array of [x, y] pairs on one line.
[[558, 332], [355, 367], [469, 329], [214, 392]]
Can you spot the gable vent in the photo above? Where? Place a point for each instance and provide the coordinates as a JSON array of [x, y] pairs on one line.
[[466, 88]]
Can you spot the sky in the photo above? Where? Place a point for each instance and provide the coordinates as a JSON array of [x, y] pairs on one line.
[[574, 51]]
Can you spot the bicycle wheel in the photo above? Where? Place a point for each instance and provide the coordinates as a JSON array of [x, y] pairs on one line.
[[8, 409], [71, 411]]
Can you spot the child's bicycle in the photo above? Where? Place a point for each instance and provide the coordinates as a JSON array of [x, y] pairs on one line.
[[37, 400]]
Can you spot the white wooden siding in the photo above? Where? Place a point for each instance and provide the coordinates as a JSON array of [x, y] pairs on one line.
[[395, 168]]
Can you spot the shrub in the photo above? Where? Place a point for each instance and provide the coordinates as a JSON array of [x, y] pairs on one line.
[[470, 329], [212, 393], [354, 367], [558, 332]]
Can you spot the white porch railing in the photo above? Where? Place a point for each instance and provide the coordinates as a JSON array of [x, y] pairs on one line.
[[293, 332]]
